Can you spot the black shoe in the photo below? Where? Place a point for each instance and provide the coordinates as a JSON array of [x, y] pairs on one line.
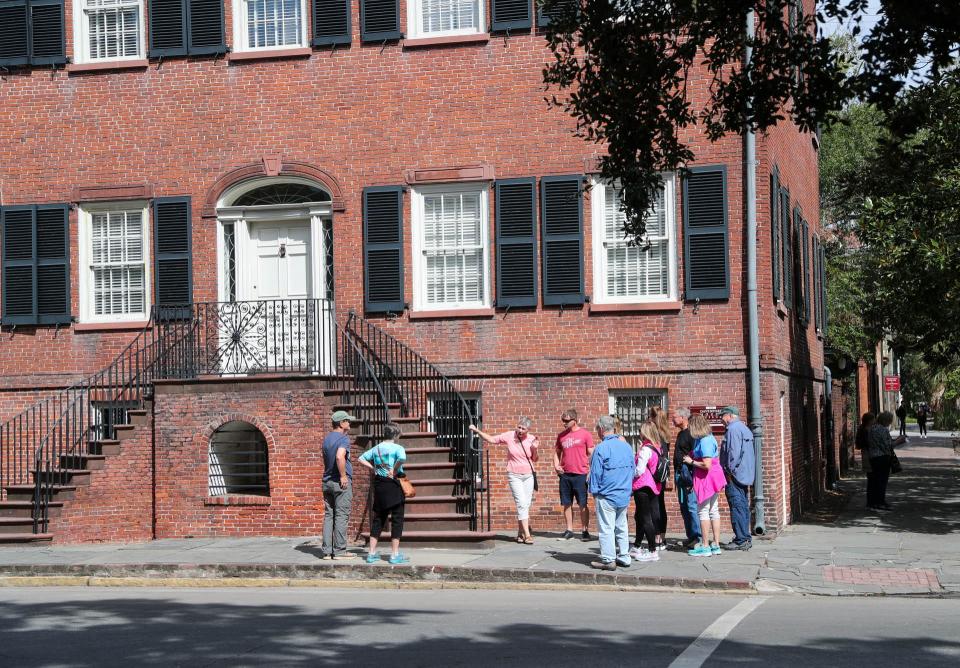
[[884, 506], [567, 535], [604, 565], [690, 542], [734, 545], [585, 535], [622, 565]]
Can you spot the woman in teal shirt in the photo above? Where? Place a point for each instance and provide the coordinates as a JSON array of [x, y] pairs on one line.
[[386, 460]]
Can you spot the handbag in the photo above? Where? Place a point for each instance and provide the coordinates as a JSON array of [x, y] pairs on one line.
[[536, 484], [895, 465]]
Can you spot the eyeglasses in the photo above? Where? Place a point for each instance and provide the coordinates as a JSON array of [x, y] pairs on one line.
[[566, 418]]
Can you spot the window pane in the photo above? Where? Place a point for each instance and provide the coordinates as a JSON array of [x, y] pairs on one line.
[[453, 250], [448, 15], [273, 23], [636, 271], [113, 28], [117, 263], [632, 410]]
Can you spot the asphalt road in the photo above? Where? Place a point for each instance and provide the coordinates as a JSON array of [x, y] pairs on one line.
[[357, 627]]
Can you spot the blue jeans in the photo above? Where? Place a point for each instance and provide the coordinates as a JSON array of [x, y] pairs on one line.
[[613, 533], [688, 510], [739, 503]]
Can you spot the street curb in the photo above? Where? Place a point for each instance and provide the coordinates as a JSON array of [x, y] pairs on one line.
[[327, 575]]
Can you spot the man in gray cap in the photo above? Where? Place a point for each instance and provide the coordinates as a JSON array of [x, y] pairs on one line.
[[337, 487], [739, 464]]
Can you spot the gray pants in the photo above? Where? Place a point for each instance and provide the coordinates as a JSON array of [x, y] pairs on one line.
[[336, 512]]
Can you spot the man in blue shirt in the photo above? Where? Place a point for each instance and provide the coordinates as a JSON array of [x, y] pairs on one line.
[[337, 487], [739, 464], [611, 477]]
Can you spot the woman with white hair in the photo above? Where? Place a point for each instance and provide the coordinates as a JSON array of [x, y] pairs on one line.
[[880, 448], [521, 453]]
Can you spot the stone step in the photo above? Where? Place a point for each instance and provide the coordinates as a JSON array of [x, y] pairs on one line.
[[438, 504], [86, 462], [64, 476], [416, 521], [138, 416], [25, 492], [439, 486], [105, 446], [25, 508], [16, 525], [430, 470], [25, 537], [393, 410], [423, 455], [124, 431]]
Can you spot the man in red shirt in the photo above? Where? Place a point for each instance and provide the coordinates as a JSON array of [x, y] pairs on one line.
[[571, 460]]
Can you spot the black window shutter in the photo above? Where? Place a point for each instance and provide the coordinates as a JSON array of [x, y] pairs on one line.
[[173, 252], [543, 17], [14, 33], [805, 240], [383, 249], [379, 20], [331, 22], [47, 33], [53, 264], [823, 289], [775, 258], [705, 233], [168, 28], [510, 15], [19, 265], [516, 242], [796, 266], [206, 33], [815, 291], [786, 248], [561, 213]]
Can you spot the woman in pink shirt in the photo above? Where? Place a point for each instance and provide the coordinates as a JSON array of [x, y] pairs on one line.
[[521, 453], [645, 492]]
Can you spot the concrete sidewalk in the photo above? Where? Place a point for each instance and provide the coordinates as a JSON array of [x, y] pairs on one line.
[[915, 549]]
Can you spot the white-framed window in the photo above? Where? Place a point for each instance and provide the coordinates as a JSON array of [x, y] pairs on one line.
[[269, 24], [632, 407], [108, 30], [625, 273], [450, 247], [437, 18], [114, 262]]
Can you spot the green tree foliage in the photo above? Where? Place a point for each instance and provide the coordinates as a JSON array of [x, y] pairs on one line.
[[620, 69]]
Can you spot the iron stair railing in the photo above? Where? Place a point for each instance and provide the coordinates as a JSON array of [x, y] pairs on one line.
[[425, 392]]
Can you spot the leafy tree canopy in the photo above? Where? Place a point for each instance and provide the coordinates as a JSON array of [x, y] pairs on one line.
[[620, 67]]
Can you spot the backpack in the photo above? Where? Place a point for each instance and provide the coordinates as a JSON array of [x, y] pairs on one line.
[[662, 472]]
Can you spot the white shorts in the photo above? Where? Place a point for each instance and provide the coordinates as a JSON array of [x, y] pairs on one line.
[[709, 509], [521, 485]]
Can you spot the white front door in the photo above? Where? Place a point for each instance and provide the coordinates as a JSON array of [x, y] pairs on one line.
[[283, 263]]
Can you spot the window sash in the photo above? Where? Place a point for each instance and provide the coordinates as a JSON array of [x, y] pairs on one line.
[[270, 24], [109, 30], [634, 273], [117, 264], [448, 17]]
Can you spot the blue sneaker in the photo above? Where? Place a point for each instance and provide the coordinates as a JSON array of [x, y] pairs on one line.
[[399, 558], [715, 549], [373, 558], [700, 550]]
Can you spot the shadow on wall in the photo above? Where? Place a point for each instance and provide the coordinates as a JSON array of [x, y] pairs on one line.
[[113, 631]]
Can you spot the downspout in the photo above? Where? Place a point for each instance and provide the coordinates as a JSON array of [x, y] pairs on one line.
[[753, 325]]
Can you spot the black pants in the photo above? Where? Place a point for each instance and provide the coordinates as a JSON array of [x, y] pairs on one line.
[[646, 506], [662, 516], [923, 426], [903, 426], [380, 519], [877, 482]]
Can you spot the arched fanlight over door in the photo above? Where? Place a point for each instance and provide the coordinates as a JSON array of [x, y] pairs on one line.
[[273, 194]]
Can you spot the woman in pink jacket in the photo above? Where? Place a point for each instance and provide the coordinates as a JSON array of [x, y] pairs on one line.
[[645, 492], [708, 480]]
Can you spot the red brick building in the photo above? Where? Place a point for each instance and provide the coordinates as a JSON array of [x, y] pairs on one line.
[[280, 163]]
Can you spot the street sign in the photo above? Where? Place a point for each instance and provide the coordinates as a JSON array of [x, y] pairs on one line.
[[712, 414], [891, 383]]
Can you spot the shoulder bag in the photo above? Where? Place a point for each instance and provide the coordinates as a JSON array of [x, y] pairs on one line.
[[536, 485], [409, 491]]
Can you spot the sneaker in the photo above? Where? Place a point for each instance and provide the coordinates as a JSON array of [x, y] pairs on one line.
[[715, 549], [690, 543], [700, 550], [604, 565], [585, 535], [646, 555], [372, 558], [623, 564], [734, 545], [566, 535], [661, 547], [399, 558], [636, 552], [343, 555]]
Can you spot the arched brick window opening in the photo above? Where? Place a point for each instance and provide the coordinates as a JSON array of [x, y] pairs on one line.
[[238, 460]]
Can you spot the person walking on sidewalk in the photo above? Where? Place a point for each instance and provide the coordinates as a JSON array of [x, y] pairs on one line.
[[683, 477], [881, 446], [863, 445], [645, 491], [611, 476], [386, 461], [521, 453], [337, 487], [902, 418], [661, 421], [708, 480], [923, 413], [571, 461], [739, 464]]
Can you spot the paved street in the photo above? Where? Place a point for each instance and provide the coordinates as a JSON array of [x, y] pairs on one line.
[[913, 550], [286, 627]]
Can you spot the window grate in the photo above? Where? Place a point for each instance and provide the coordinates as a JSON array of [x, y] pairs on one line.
[[238, 461], [632, 409]]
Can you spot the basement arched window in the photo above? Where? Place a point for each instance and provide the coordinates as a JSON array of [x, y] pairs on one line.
[[238, 460]]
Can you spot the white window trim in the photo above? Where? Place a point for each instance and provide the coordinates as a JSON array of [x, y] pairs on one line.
[[84, 239], [597, 199], [415, 22], [81, 34], [419, 264], [240, 33]]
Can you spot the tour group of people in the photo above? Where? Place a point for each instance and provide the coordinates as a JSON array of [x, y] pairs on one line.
[[609, 469], [614, 473]]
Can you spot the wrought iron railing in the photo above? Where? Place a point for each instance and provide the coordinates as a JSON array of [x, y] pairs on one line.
[[41, 445], [424, 391]]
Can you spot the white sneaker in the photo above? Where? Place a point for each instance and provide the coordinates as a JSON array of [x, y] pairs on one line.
[[648, 556], [635, 552]]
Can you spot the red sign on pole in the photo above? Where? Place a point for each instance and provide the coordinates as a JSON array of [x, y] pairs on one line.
[[891, 383]]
